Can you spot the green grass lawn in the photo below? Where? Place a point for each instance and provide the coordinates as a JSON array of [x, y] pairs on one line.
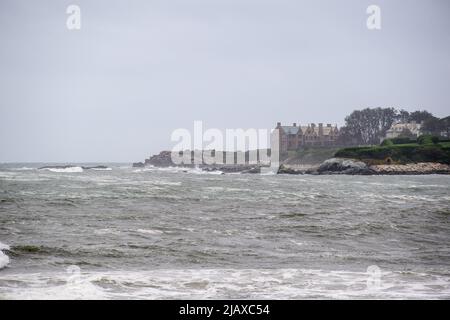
[[399, 153]]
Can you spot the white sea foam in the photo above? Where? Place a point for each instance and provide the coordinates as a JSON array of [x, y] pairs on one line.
[[4, 259], [150, 231], [101, 169], [225, 284], [106, 231], [217, 172], [66, 170], [198, 170], [195, 170], [23, 169]]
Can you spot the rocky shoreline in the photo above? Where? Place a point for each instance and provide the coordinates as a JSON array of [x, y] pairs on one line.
[[412, 168], [332, 166], [354, 167]]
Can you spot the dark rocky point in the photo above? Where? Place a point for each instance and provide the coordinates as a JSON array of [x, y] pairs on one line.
[[138, 165], [344, 166]]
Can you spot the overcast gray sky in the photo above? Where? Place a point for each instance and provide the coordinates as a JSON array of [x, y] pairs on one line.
[[137, 70]]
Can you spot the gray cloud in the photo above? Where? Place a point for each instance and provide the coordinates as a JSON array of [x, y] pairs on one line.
[[137, 70]]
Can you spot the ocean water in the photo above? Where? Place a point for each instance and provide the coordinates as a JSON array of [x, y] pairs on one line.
[[130, 233]]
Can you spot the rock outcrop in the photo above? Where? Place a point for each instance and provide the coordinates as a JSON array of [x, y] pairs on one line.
[[163, 159], [330, 166], [57, 167], [344, 166], [288, 170], [95, 167], [138, 165]]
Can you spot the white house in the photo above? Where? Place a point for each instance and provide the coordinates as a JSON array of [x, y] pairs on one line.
[[396, 129]]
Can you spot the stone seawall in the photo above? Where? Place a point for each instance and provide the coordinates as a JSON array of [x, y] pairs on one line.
[[353, 167], [412, 168]]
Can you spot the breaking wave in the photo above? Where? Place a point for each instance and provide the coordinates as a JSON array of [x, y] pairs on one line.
[[4, 259], [225, 284], [195, 170], [23, 169], [66, 170], [150, 231]]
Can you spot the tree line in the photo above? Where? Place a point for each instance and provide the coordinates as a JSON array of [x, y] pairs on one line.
[[369, 126]]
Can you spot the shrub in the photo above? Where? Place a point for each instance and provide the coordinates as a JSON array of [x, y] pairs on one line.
[[387, 142], [404, 153], [428, 139], [402, 140]]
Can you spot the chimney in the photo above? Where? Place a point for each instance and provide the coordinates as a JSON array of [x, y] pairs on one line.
[[278, 124], [313, 125], [320, 129], [294, 124]]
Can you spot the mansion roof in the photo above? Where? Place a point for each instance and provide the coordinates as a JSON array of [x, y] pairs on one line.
[[412, 126], [309, 129]]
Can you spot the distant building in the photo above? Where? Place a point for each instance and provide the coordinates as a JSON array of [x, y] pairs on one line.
[[398, 129], [297, 136]]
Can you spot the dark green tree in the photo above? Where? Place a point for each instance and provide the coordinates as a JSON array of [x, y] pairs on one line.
[[403, 116], [368, 126], [445, 126], [433, 126], [420, 116], [406, 133]]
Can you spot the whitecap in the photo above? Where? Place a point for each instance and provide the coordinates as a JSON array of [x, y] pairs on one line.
[[150, 231], [196, 170], [268, 171], [217, 172], [106, 231], [4, 259], [22, 169], [285, 283], [66, 170]]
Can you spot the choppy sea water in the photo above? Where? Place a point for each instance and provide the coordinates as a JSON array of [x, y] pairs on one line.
[[151, 233]]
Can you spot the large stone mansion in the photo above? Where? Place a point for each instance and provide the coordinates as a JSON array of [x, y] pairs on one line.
[[296, 136]]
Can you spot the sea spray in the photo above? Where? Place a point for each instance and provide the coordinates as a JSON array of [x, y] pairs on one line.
[[65, 170], [4, 259]]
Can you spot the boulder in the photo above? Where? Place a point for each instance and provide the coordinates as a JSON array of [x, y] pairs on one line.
[[287, 170], [138, 165], [57, 167], [344, 166], [94, 167], [163, 159]]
